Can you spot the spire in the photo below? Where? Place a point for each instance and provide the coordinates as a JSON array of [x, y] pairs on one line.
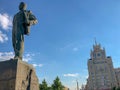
[[95, 41], [77, 85]]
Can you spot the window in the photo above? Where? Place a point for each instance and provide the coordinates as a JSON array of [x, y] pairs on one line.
[[98, 54], [94, 55]]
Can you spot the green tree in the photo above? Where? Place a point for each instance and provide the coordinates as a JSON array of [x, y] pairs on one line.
[[57, 85], [39, 86], [50, 88], [44, 85], [118, 88], [114, 88]]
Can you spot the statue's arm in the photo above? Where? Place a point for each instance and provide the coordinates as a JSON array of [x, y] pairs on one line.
[[32, 18]]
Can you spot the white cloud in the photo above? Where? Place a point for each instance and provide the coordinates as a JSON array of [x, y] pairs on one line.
[[10, 55], [66, 46], [86, 77], [6, 56], [3, 37], [71, 46], [38, 65], [28, 57], [5, 21], [75, 49], [5, 24], [71, 75]]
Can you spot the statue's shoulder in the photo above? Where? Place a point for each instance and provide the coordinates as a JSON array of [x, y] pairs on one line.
[[28, 11], [18, 14]]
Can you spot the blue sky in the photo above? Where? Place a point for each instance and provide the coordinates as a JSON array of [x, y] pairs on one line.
[[59, 45]]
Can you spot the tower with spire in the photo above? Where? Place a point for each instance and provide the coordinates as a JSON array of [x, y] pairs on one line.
[[101, 70], [77, 85]]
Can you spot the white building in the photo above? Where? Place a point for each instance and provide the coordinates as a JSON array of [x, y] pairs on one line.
[[101, 71]]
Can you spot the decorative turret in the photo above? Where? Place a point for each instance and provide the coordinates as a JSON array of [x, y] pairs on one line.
[[97, 52], [101, 70]]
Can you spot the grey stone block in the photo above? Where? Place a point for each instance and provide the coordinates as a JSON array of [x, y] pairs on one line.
[[17, 75]]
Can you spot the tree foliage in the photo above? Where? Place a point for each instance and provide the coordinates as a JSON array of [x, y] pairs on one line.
[[57, 85], [44, 85], [116, 88]]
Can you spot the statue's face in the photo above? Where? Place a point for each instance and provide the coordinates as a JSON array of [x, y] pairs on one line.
[[22, 6]]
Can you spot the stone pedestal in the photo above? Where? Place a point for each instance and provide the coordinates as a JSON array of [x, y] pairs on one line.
[[17, 75]]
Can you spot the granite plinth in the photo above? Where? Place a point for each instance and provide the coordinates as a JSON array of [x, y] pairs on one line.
[[17, 75]]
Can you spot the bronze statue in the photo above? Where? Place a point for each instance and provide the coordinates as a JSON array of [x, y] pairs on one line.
[[21, 26]]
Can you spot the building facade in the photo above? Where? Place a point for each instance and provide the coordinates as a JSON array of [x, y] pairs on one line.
[[65, 88], [101, 71], [117, 73]]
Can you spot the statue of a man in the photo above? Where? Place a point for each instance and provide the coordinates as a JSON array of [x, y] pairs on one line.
[[21, 26]]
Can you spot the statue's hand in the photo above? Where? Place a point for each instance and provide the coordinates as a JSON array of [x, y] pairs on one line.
[[35, 21]]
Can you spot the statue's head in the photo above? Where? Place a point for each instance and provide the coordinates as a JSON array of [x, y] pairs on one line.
[[22, 6]]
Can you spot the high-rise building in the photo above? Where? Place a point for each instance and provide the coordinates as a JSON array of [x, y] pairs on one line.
[[117, 73], [101, 71], [82, 87]]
